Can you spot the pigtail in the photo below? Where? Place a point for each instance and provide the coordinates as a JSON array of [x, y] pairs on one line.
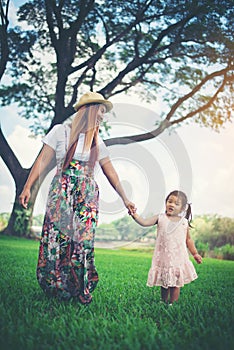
[[188, 214]]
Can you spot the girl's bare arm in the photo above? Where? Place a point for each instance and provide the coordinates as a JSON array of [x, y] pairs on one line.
[[191, 247], [145, 221]]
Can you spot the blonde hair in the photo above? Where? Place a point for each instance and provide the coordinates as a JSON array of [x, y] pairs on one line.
[[85, 121]]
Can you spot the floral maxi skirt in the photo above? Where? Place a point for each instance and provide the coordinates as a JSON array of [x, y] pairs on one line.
[[66, 266]]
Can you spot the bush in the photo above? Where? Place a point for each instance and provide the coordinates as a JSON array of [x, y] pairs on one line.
[[4, 217], [203, 249], [225, 252]]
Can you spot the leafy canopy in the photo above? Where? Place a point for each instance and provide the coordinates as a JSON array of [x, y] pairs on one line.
[[180, 50]]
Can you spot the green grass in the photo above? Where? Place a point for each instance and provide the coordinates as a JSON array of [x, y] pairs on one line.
[[124, 314]]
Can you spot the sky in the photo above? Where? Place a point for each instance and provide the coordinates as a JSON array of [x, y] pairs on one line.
[[194, 159]]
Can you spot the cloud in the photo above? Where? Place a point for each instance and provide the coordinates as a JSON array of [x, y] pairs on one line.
[[9, 118], [7, 198], [212, 158], [25, 147], [13, 19], [13, 14]]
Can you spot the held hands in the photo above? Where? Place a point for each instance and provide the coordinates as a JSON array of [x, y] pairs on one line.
[[131, 207], [198, 258], [24, 197]]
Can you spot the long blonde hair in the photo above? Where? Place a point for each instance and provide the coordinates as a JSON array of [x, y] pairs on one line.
[[85, 121]]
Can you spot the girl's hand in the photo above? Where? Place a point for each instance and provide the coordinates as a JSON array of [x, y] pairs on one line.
[[24, 197], [198, 258]]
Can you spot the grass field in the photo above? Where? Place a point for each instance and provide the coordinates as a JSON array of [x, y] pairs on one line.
[[124, 314]]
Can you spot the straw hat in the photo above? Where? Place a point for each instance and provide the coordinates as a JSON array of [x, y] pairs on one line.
[[92, 97]]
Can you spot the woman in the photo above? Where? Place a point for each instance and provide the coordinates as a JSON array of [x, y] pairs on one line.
[[66, 266]]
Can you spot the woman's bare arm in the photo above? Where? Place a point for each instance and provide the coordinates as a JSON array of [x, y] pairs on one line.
[[42, 162], [113, 178]]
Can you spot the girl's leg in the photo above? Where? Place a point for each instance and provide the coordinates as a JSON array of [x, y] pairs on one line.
[[174, 294], [164, 294]]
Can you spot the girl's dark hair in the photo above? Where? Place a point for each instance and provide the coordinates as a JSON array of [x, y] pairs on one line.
[[184, 200]]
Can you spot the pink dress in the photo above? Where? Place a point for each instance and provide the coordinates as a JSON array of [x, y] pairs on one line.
[[171, 266]]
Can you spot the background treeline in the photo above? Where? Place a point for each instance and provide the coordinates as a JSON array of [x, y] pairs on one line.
[[213, 234]]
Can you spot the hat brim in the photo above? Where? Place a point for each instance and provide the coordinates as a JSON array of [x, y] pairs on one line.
[[106, 103]]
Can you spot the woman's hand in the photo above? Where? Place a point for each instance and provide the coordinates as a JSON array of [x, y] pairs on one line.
[[24, 197], [130, 206]]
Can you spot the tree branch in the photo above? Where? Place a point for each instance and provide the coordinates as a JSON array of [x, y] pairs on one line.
[[57, 12], [134, 82], [166, 123], [49, 20], [3, 37], [203, 107], [75, 88], [84, 8], [137, 61], [126, 140], [93, 60], [9, 157], [196, 89]]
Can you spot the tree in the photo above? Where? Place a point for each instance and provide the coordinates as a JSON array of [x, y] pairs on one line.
[[117, 47], [124, 229], [4, 49], [213, 230], [20, 221]]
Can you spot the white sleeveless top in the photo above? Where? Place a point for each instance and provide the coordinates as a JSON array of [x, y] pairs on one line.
[[58, 139]]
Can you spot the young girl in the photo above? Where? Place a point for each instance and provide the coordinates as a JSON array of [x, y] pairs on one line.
[[171, 267]]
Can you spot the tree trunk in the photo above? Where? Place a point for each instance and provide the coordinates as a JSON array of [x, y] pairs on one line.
[[20, 221], [3, 39]]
